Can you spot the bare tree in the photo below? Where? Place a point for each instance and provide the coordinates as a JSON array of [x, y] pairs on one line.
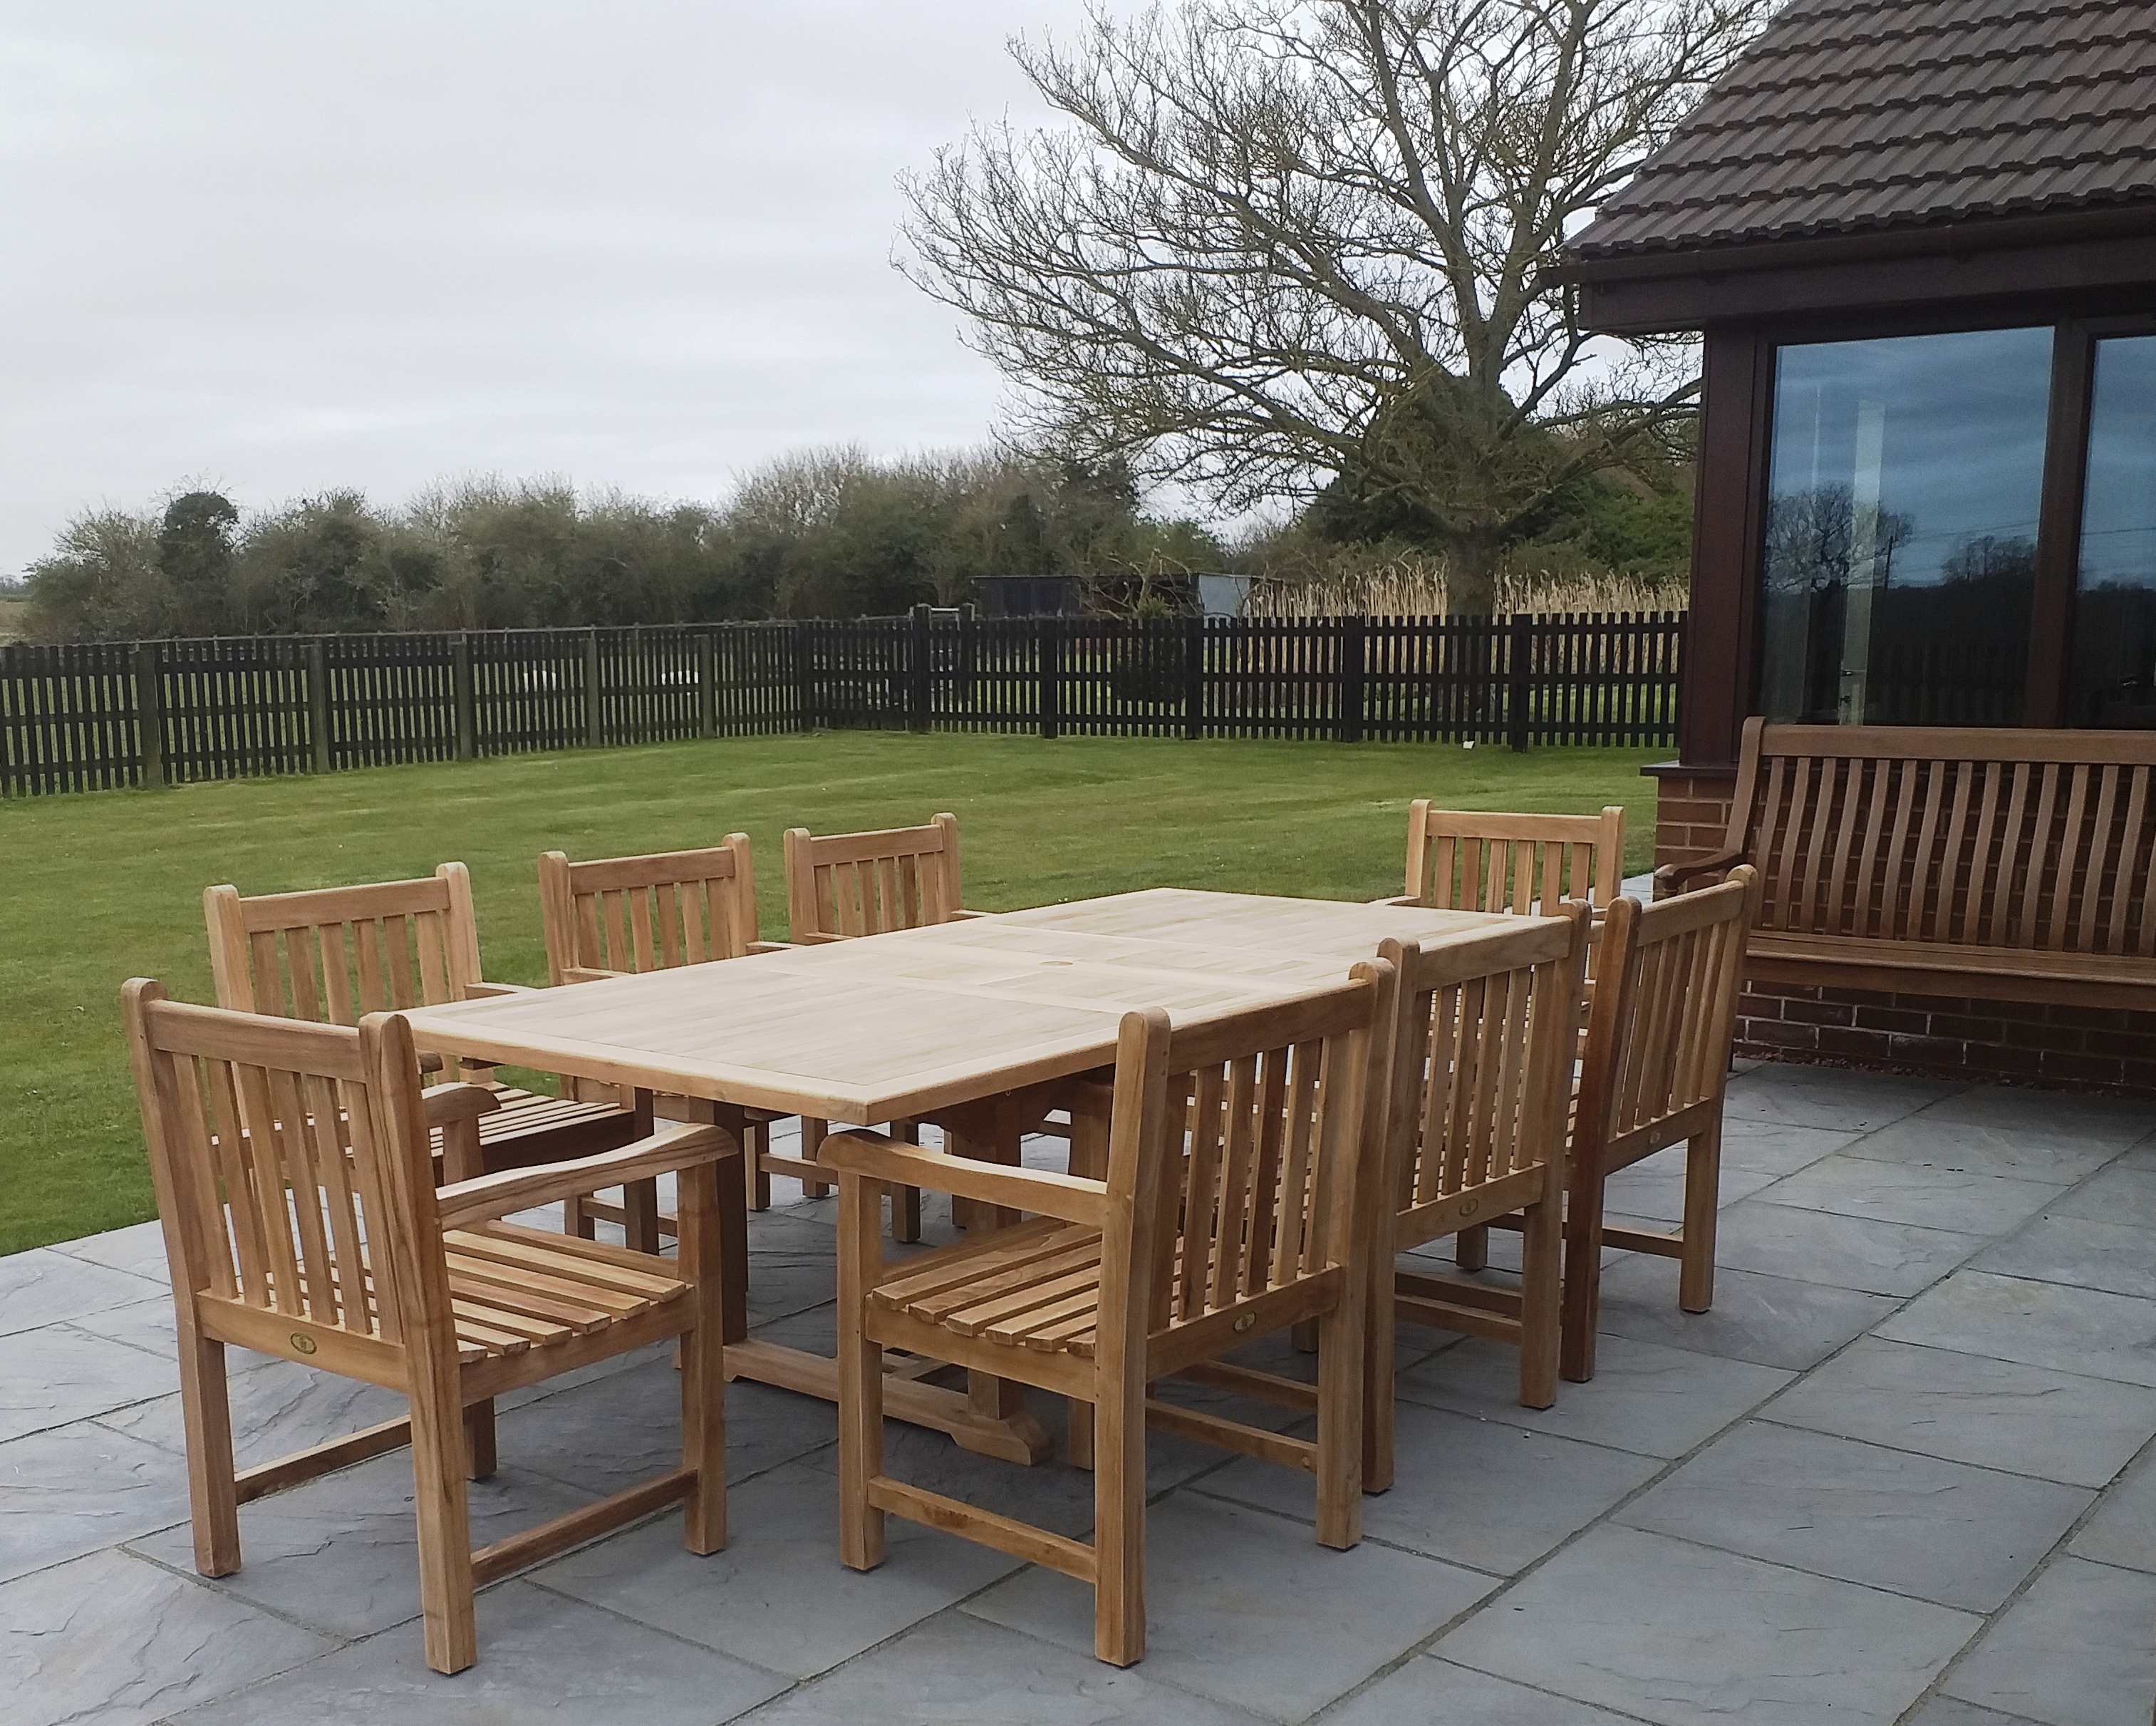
[[1291, 243]]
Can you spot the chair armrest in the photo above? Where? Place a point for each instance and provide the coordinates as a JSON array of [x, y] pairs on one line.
[[1407, 899], [957, 916], [1067, 1197], [589, 973], [487, 991], [1672, 878], [770, 947], [466, 1202], [459, 1102]]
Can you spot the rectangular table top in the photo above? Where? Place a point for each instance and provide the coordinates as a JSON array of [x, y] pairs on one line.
[[890, 1026]]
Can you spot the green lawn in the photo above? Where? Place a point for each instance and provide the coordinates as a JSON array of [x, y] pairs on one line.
[[105, 886]]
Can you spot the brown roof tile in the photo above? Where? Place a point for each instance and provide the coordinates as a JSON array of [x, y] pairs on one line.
[[1848, 115]]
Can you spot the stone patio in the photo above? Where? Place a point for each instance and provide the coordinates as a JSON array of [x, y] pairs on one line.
[[1902, 1473]]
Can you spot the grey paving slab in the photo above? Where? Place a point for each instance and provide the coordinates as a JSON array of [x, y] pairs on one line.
[[956, 1667], [1966, 1203], [1941, 1531], [1425, 1692], [2075, 1650], [2115, 1194], [277, 1409], [1493, 1497], [1772, 1148], [1643, 1397], [2077, 1330], [110, 1641], [1946, 1711], [590, 1374], [43, 1286], [139, 1250], [75, 1489], [793, 1264], [1776, 1321], [614, 1431], [1980, 1144], [1654, 1190], [777, 1595], [2122, 1532], [2074, 1250], [1838, 1251], [1827, 1098], [1248, 1610], [55, 1376], [1684, 1636], [541, 1657], [1998, 1413], [2116, 1123], [341, 1553]]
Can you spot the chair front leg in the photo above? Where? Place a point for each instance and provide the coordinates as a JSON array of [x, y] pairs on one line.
[[206, 1414], [1119, 1519], [1342, 1381], [860, 1374], [449, 1629], [700, 1244], [1702, 1197]]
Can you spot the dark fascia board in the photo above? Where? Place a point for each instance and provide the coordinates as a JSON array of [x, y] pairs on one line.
[[1657, 293]]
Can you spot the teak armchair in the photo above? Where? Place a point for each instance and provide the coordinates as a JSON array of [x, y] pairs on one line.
[[1238, 1199], [335, 954], [1481, 1072], [296, 1186], [613, 917], [1657, 1064], [843, 885]]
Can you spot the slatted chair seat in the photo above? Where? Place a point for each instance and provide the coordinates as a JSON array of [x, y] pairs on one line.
[[529, 1127]]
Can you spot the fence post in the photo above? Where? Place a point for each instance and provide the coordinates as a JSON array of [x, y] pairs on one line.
[[1347, 701], [460, 692], [1193, 677], [804, 674], [916, 689], [1518, 688], [318, 702], [707, 685], [150, 712], [1050, 652], [594, 730]]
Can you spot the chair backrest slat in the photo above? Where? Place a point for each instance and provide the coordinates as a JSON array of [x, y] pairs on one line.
[[839, 885], [1472, 860], [649, 912]]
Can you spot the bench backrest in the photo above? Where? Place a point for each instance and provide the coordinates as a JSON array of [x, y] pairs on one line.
[[2038, 840]]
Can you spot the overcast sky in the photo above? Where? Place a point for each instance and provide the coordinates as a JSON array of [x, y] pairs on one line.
[[276, 247]]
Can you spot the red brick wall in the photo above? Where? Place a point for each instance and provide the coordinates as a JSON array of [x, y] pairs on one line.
[[1691, 815], [2085, 1048]]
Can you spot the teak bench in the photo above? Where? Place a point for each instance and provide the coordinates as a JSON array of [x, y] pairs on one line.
[[2004, 864]]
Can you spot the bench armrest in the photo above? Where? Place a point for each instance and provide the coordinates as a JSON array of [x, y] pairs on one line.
[[466, 1202], [459, 1102], [1068, 1198], [1673, 878]]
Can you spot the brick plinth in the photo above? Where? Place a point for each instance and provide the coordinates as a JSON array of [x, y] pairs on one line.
[[1692, 815], [2081, 1048]]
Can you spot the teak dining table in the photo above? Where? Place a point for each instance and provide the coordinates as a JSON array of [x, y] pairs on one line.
[[975, 1023]]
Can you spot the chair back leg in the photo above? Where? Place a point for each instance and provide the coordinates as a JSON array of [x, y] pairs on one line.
[[206, 1411], [1701, 1197]]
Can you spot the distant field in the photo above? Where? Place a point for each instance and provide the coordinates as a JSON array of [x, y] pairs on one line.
[[107, 885], [12, 614]]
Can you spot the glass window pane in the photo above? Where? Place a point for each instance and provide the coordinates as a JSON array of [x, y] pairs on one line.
[[2114, 668], [1901, 559]]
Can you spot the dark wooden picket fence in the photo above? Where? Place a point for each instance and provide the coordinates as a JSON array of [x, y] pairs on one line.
[[93, 715]]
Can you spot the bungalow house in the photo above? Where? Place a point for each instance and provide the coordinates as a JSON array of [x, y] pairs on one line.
[[1918, 239]]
